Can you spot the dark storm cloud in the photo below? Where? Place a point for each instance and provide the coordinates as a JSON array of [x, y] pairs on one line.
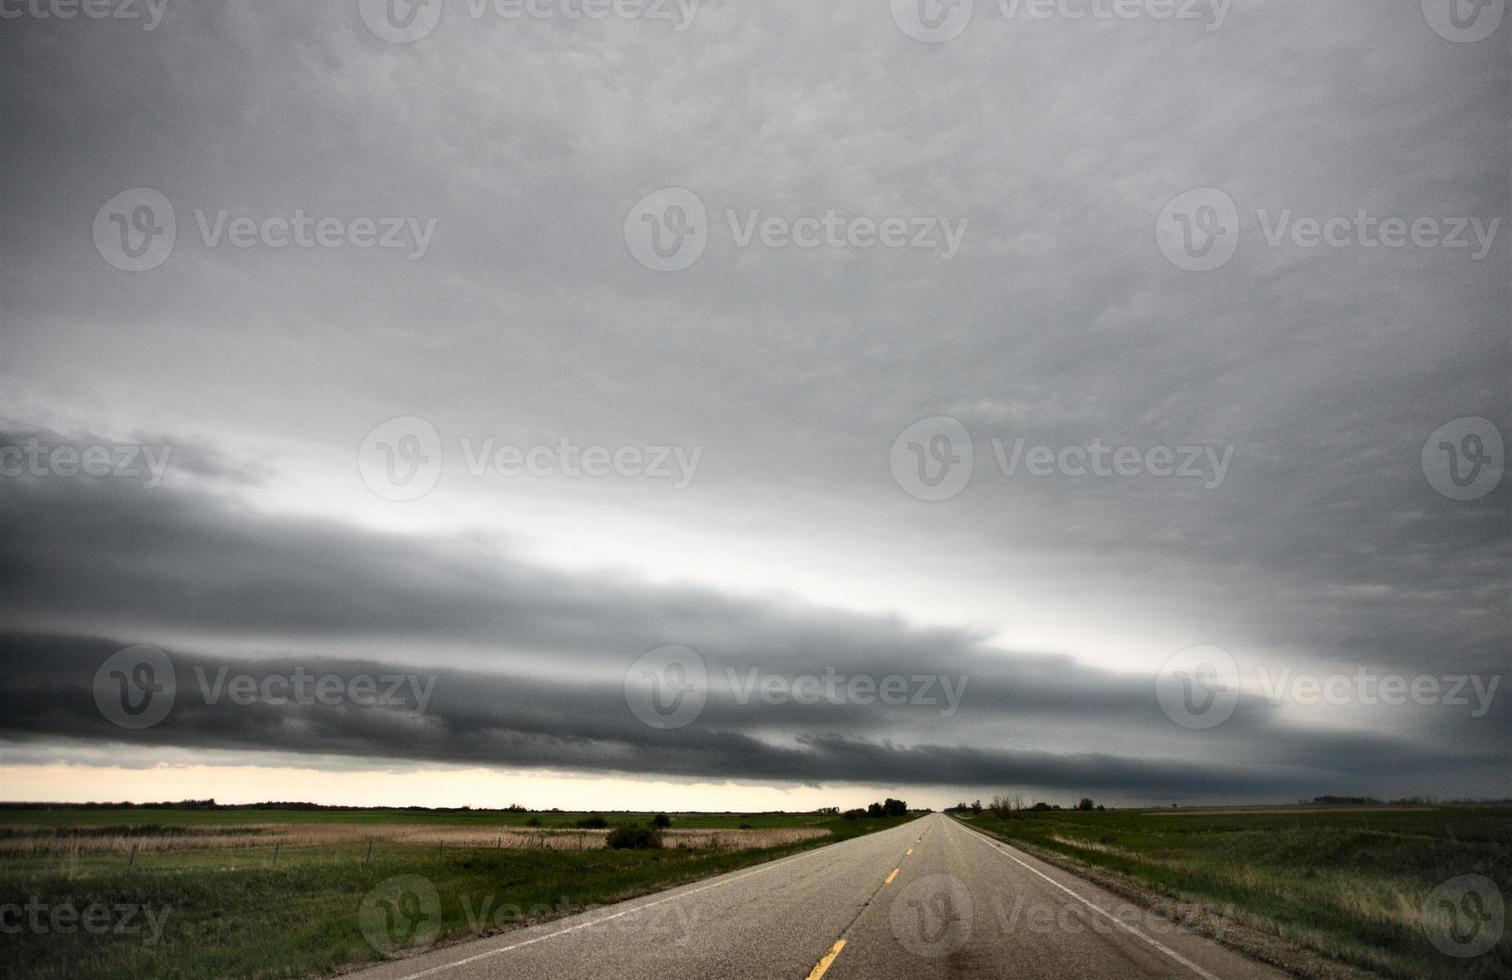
[[1059, 321], [517, 721], [159, 562]]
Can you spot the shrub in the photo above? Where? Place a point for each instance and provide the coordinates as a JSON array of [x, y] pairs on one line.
[[633, 836], [533, 822], [854, 814], [593, 822], [661, 821]]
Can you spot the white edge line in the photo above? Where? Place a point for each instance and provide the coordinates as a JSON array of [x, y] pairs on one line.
[[660, 901], [1109, 916]]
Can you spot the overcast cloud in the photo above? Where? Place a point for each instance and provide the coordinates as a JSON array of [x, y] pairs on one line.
[[765, 507]]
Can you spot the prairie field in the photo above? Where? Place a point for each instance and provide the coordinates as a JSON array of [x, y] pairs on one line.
[[1349, 882], [278, 893]]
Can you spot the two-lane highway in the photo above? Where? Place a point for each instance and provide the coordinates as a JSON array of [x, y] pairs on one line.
[[930, 898]]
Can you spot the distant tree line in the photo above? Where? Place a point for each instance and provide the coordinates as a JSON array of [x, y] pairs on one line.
[[887, 808], [1005, 806]]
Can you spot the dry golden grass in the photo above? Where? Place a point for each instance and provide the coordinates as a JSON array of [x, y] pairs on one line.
[[19, 843]]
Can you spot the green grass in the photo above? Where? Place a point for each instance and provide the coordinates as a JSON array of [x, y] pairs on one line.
[[1346, 882], [229, 913], [71, 818]]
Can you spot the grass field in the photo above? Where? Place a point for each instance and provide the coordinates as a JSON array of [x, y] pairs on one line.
[[1350, 883], [208, 909], [69, 818]]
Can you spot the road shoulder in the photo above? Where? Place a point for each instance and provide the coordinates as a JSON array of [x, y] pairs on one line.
[[1200, 918]]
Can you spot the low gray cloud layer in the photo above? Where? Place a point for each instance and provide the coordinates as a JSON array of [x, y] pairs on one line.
[[518, 666], [522, 146]]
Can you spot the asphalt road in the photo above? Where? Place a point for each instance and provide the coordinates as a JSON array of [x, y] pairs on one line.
[[930, 898]]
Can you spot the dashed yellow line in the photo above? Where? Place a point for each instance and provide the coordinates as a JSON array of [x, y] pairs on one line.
[[891, 877], [825, 961], [910, 851]]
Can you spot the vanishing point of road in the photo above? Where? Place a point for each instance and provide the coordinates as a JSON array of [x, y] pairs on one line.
[[929, 898]]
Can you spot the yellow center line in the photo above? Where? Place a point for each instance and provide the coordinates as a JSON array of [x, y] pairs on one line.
[[910, 851], [891, 877], [826, 960]]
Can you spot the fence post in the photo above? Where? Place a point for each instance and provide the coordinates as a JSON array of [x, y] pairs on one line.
[[131, 861], [275, 854], [369, 858]]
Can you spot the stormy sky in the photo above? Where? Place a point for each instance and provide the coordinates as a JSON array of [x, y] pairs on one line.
[[496, 354]]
